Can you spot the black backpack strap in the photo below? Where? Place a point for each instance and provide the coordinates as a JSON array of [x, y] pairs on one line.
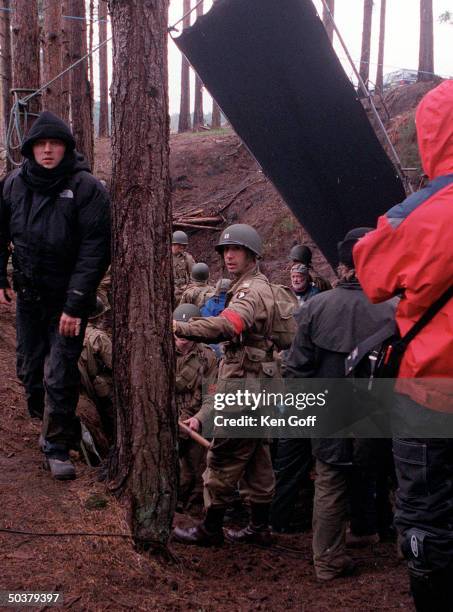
[[423, 321]]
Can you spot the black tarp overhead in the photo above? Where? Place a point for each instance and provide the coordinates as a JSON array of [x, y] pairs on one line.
[[271, 68]]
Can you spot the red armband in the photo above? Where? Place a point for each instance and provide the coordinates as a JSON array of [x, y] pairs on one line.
[[234, 319]]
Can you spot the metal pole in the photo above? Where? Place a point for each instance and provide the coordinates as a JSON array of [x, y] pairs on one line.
[[364, 88]]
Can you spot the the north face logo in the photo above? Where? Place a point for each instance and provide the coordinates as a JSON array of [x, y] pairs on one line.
[[414, 546]]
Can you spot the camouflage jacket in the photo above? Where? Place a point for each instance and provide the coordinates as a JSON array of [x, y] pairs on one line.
[[182, 267], [192, 370], [198, 293], [95, 364]]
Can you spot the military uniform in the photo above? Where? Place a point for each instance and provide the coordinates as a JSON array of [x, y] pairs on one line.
[[192, 369], [198, 293], [95, 405], [182, 267], [243, 325]]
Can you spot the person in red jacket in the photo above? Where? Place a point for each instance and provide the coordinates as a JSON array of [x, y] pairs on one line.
[[410, 254]]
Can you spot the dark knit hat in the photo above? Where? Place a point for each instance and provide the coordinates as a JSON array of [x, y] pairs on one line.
[[346, 246], [47, 125]]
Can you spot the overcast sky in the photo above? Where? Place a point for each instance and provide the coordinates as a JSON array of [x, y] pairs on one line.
[[401, 48]]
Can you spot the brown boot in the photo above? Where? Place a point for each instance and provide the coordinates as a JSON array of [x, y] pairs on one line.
[[250, 534], [198, 535]]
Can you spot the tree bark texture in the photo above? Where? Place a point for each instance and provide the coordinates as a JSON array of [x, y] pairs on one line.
[[52, 59], [327, 19], [144, 465], [103, 71], [25, 44], [380, 67], [5, 33], [366, 41], [216, 116], [198, 115], [81, 99], [184, 105], [426, 49], [65, 62]]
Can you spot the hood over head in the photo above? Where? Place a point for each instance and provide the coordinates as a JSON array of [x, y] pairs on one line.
[[47, 125], [434, 122]]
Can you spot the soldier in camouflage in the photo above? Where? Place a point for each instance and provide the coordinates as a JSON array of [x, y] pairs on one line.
[[199, 291], [196, 365], [182, 263], [95, 406], [243, 326]]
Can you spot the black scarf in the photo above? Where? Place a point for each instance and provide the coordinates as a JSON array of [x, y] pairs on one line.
[[48, 182]]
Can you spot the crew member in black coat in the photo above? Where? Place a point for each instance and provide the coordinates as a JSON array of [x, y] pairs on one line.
[[330, 325], [55, 219]]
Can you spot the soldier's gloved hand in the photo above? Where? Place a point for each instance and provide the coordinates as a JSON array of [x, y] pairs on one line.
[[69, 326], [193, 423], [6, 296]]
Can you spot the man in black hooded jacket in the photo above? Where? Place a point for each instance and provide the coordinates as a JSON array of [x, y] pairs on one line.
[[55, 219], [330, 325]]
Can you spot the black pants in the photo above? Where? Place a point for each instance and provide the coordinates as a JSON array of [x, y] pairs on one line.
[[292, 464], [424, 505], [47, 367]]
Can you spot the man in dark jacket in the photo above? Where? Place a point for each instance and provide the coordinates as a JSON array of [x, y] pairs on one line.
[[330, 325], [55, 217]]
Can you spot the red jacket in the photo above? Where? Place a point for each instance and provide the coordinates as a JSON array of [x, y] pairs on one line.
[[411, 252]]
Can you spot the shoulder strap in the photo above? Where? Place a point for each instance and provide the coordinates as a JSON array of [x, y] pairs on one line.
[[426, 317]]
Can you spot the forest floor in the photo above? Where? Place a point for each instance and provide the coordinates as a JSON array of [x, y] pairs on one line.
[[105, 573]]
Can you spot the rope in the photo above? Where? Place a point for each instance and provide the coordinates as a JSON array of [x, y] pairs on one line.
[[10, 10], [14, 127], [173, 28]]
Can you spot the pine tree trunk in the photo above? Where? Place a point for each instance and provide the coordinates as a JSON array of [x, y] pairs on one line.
[[216, 116], [327, 19], [184, 105], [52, 60], [103, 71], [426, 50], [65, 61], [5, 33], [198, 115], [380, 67], [25, 46], [366, 41], [81, 99], [143, 468]]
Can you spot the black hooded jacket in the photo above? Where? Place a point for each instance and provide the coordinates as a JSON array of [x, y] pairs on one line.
[[330, 325], [60, 236]]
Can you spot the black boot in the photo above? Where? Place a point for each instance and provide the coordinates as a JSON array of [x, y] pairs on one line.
[[207, 533], [257, 531], [432, 590]]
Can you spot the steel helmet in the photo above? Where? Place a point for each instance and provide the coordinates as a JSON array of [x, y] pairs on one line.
[[301, 254], [180, 237], [200, 272], [184, 312], [242, 235]]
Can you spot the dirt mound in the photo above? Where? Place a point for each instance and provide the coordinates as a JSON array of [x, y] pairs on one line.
[[406, 97]]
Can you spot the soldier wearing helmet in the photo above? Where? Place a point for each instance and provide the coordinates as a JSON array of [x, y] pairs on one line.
[[302, 254], [182, 263], [195, 364], [199, 290], [248, 353]]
